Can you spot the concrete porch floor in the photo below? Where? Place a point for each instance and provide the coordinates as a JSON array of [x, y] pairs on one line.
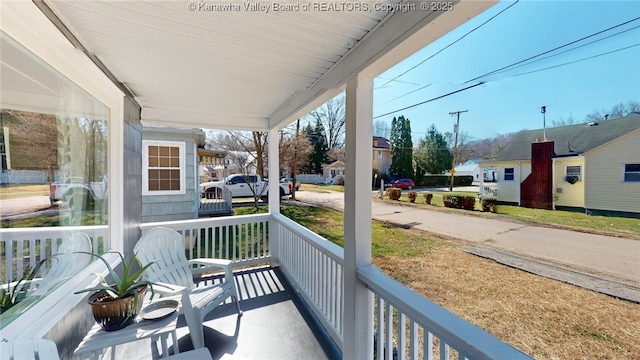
[[276, 324]]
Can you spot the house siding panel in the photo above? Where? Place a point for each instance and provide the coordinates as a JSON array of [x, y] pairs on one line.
[[571, 195], [174, 207], [604, 186], [509, 191]]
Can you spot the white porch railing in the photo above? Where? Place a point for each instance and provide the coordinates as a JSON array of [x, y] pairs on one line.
[[243, 239], [420, 329], [488, 191], [216, 202], [22, 248], [315, 266]]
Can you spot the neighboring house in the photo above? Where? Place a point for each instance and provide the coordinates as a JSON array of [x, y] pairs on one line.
[[468, 168], [329, 171], [213, 164], [170, 174], [592, 167], [381, 155]]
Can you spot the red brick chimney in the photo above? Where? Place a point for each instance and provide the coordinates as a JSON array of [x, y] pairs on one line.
[[536, 190]]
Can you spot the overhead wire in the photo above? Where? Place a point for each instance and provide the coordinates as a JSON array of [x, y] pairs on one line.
[[502, 69], [446, 47], [554, 49]]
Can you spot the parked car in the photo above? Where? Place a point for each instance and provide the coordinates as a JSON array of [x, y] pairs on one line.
[[240, 186], [405, 184], [290, 181]]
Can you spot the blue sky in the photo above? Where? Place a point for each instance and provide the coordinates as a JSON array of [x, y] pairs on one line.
[[508, 103]]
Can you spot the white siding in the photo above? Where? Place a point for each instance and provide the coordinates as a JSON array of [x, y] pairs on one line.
[[604, 186], [509, 191], [570, 194]]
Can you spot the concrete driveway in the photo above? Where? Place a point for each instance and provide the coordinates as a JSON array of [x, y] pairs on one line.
[[594, 254]]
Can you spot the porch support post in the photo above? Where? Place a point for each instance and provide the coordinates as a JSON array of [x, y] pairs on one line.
[[274, 193], [358, 301]]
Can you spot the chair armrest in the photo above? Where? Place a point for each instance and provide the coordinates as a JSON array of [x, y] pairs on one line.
[[206, 265], [166, 289]]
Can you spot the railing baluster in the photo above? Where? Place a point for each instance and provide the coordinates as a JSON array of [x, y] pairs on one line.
[[401, 335], [413, 340], [444, 350], [428, 345], [389, 331], [379, 332]]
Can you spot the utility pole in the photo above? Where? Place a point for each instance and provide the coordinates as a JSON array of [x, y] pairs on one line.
[[455, 144], [543, 110], [294, 169]]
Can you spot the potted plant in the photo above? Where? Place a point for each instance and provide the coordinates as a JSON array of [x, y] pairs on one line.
[[115, 306]]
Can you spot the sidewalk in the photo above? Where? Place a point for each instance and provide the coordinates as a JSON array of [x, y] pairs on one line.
[[602, 256]]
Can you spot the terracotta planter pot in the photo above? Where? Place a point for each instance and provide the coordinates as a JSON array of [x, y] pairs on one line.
[[115, 314]]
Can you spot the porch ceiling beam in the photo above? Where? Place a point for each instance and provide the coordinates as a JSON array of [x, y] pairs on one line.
[[401, 35], [185, 118]]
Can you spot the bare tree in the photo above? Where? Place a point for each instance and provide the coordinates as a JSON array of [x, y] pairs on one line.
[[617, 111], [569, 120], [381, 128], [251, 142], [332, 116], [295, 149]]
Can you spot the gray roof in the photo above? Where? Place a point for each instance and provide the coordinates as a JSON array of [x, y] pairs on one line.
[[580, 138]]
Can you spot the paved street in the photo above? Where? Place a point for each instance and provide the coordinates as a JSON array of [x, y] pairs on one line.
[[595, 254]]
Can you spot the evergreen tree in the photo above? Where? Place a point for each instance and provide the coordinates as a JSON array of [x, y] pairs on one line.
[[433, 155], [318, 156], [401, 148]]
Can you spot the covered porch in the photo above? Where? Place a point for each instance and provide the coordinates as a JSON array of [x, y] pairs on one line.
[[169, 63]]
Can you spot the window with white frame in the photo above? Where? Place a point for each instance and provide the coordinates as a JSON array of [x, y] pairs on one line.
[[509, 174], [573, 173], [631, 173], [379, 154], [163, 168]]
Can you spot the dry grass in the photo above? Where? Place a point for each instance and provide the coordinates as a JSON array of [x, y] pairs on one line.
[[545, 318]]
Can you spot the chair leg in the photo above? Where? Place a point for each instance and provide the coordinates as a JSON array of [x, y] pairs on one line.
[[237, 304], [194, 321]]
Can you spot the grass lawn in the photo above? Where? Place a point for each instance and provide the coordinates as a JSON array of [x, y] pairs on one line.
[[13, 191], [545, 318], [321, 188], [616, 226]]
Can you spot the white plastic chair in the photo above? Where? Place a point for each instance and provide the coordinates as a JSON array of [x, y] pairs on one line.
[[173, 270], [27, 349], [66, 262]]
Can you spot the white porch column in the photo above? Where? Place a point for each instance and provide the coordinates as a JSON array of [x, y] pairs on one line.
[[274, 192], [358, 301]]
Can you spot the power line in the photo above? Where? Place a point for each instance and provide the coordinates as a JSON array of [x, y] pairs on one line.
[[554, 49], [426, 101], [409, 93], [568, 50], [525, 73], [576, 61], [446, 47]]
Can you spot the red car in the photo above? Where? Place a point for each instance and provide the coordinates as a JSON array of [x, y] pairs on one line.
[[405, 184]]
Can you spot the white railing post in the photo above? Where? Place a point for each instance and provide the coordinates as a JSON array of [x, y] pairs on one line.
[[274, 192], [358, 301]]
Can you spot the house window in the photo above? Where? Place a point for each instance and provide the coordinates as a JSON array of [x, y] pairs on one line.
[[573, 174], [163, 170], [379, 154], [509, 174], [631, 173]]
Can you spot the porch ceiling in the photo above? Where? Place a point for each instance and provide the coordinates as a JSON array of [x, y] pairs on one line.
[[240, 68]]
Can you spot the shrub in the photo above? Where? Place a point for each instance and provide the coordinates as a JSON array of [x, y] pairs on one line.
[[428, 197], [490, 205], [394, 193], [444, 180], [459, 202], [412, 196]]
